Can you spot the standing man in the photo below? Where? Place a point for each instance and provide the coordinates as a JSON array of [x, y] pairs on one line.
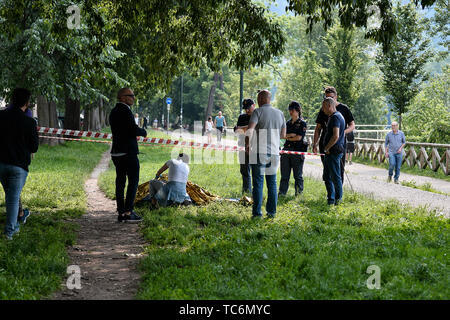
[[124, 153], [267, 125], [334, 151], [394, 143], [18, 140], [219, 123], [243, 141], [321, 126]]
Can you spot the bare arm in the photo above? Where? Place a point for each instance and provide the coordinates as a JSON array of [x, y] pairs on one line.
[[161, 170], [283, 133], [350, 128], [317, 132], [333, 140]]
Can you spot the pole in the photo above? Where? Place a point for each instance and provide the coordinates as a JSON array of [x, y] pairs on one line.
[[168, 123], [181, 107], [241, 90]]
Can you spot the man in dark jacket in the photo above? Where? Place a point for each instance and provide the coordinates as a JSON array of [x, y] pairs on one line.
[[124, 153], [18, 140]]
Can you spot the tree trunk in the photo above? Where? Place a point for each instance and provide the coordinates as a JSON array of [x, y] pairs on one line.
[[47, 117], [212, 94], [72, 114]]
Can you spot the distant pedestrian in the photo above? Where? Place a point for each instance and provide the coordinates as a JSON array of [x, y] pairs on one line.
[[243, 141], [124, 153], [144, 126], [155, 123], [349, 146], [219, 124], [395, 142], [295, 141], [208, 129], [136, 119], [334, 151], [267, 125], [18, 140]]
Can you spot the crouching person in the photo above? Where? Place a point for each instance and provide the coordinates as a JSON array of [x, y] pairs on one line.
[[172, 192]]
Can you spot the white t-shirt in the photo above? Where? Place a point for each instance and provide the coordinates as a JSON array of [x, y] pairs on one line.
[[208, 126], [178, 170]]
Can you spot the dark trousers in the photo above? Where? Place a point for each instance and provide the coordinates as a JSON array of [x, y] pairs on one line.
[[294, 162], [126, 166], [245, 172]]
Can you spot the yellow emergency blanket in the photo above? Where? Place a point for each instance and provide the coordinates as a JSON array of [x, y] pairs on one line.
[[198, 194]]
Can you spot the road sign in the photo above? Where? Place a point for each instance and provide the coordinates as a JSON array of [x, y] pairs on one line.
[[168, 100]]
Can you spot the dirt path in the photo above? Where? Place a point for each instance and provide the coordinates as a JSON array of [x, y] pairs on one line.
[[106, 251]]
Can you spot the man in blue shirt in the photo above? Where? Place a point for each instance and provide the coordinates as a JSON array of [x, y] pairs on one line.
[[394, 143], [334, 151]]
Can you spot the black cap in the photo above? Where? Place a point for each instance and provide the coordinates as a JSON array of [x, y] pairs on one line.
[[247, 103]]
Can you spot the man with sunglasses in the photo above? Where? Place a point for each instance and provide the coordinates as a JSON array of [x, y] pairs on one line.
[[124, 153]]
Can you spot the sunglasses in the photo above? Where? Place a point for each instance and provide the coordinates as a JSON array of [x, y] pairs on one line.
[[128, 95]]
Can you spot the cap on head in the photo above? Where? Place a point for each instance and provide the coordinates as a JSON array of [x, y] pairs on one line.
[[247, 103], [184, 157]]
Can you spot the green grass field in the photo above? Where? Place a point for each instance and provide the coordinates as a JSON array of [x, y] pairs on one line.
[[309, 251], [33, 265]]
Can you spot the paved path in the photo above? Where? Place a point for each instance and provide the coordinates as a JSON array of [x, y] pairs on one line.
[[370, 180]]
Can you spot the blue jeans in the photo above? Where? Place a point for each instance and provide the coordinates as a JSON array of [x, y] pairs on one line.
[[12, 179], [395, 162], [257, 192], [332, 177]]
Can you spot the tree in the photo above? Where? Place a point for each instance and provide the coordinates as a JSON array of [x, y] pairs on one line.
[[303, 82], [344, 63], [403, 64], [428, 119], [354, 13]]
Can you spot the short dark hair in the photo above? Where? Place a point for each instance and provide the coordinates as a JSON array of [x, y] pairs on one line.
[[247, 103], [294, 105], [330, 90], [20, 97]]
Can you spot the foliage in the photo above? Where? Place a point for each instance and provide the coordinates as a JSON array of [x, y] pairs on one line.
[[344, 60], [303, 82], [403, 64], [355, 13], [428, 119]]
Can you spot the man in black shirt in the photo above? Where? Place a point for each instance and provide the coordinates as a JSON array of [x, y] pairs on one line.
[[321, 126], [243, 141], [124, 153], [18, 140]]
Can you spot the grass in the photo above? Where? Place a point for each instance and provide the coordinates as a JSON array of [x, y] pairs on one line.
[[309, 251], [33, 265], [425, 187], [405, 168]]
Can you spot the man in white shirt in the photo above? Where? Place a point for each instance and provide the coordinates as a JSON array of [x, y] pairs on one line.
[[174, 191]]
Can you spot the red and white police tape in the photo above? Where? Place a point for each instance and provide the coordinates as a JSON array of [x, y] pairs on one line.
[[147, 141]]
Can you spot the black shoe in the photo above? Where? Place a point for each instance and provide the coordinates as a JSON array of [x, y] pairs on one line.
[[132, 217], [120, 217]]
